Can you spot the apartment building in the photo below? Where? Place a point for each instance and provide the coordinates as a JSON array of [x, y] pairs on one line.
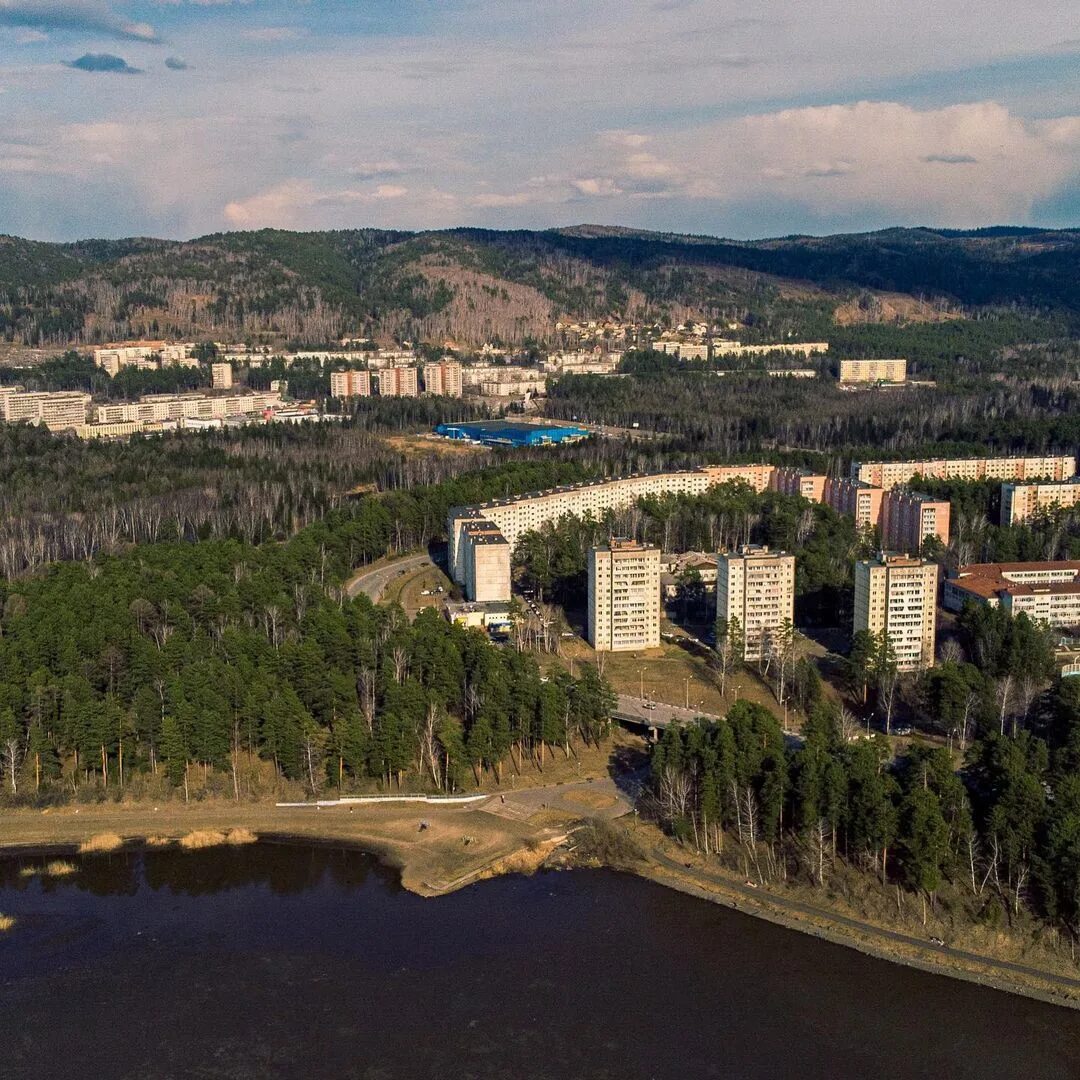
[[443, 378], [757, 587], [624, 596], [1020, 501], [1049, 591], [888, 474], [158, 407], [896, 595], [858, 499], [346, 384], [486, 559], [398, 382], [684, 350], [799, 482], [513, 386], [221, 376], [908, 518], [57, 411], [792, 348], [144, 354], [873, 371], [583, 363]]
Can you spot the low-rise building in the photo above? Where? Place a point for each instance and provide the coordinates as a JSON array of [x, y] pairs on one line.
[[1046, 591], [755, 588], [896, 596], [624, 596]]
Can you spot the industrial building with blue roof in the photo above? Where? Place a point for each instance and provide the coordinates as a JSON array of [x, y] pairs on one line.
[[511, 433]]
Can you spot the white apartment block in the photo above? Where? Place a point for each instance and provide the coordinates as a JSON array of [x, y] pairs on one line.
[[896, 596], [873, 371], [346, 384], [516, 516], [158, 407], [756, 586], [443, 378], [887, 474], [624, 596], [1021, 501], [144, 354], [221, 376], [798, 348], [57, 411], [398, 382]]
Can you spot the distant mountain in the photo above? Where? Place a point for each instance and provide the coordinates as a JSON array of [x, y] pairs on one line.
[[474, 285]]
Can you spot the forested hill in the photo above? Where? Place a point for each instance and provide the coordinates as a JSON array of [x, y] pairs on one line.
[[473, 285]]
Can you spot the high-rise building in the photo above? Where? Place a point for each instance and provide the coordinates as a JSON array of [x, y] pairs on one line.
[[896, 595], [756, 586], [908, 518], [221, 376], [56, 410], [486, 555], [1020, 501], [398, 382], [860, 500], [345, 384], [624, 596], [887, 474], [443, 378], [802, 482]]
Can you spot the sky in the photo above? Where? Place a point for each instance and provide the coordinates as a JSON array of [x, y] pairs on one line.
[[177, 118]]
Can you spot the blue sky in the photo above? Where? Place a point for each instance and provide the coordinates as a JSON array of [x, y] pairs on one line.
[[182, 117]]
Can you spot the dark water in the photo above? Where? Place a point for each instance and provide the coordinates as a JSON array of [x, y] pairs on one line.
[[279, 961]]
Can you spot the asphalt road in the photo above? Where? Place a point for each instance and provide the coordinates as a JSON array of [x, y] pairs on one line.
[[634, 711], [587, 798], [373, 583]]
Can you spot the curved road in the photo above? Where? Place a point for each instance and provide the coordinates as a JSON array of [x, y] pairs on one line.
[[373, 583]]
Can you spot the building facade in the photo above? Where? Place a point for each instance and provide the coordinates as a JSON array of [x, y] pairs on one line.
[[1021, 501], [346, 384], [486, 559], [1047, 591], [896, 595], [443, 378], [873, 371], [624, 596], [398, 382], [800, 482], [908, 518], [57, 411], [887, 474], [756, 586], [221, 376]]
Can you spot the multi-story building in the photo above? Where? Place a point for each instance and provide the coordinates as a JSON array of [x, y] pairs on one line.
[[793, 348], [221, 376], [800, 482], [1020, 501], [873, 371], [1047, 591], [908, 518], [486, 558], [344, 384], [896, 595], [398, 382], [887, 474], [756, 586], [443, 378], [57, 411], [860, 500], [157, 407], [624, 596]]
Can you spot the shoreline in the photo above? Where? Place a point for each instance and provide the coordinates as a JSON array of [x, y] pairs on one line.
[[431, 863]]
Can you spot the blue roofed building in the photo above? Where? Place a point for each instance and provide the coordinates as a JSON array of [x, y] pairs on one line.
[[512, 433]]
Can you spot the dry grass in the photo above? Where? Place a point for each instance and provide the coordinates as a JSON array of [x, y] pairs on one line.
[[59, 868], [102, 843], [202, 838], [157, 841], [240, 836], [6, 923]]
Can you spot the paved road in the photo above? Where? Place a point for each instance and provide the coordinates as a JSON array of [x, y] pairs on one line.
[[586, 798], [635, 711], [373, 583], [1003, 967]]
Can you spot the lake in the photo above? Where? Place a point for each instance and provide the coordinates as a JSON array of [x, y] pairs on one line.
[[298, 961]]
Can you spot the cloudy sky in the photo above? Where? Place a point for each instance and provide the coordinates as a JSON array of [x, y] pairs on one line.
[[181, 117]]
